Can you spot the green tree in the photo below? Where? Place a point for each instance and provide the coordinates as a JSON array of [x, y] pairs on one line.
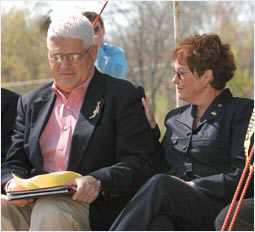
[[24, 57]]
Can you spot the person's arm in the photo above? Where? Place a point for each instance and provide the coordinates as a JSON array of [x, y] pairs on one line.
[[151, 119], [223, 185], [16, 161], [136, 150], [8, 115]]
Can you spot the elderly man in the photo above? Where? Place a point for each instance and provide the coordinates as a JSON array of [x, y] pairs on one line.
[[111, 59], [86, 122]]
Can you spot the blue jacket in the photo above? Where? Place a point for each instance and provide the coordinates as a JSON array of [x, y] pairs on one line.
[[111, 60]]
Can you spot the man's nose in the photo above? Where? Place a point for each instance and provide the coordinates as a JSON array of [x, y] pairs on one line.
[[65, 62], [175, 79]]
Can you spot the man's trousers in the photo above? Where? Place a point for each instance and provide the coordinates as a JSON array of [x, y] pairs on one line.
[[46, 213]]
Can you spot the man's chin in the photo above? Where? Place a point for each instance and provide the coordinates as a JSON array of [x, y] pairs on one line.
[[65, 86], [65, 89], [66, 77]]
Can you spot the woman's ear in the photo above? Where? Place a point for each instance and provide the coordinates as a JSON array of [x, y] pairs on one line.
[[208, 77]]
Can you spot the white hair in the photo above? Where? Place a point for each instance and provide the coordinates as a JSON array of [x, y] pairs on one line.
[[75, 26]]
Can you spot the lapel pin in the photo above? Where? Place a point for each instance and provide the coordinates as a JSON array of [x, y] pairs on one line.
[[219, 105], [213, 113], [96, 111]]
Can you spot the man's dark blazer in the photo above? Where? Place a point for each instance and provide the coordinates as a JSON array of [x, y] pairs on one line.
[[8, 114], [112, 141]]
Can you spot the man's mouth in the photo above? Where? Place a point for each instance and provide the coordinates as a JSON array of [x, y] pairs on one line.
[[67, 74]]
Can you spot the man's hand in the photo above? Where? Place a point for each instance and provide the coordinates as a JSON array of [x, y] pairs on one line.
[[87, 189], [12, 185]]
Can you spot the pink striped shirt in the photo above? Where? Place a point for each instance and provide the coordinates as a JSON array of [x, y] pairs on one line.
[[56, 139]]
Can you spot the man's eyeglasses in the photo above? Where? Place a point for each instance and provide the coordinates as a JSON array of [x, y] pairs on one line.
[[73, 58], [180, 74]]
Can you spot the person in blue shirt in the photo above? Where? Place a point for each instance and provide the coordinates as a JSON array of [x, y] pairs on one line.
[[111, 59]]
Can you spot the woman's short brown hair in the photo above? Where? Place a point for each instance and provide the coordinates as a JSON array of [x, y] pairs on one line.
[[204, 52]]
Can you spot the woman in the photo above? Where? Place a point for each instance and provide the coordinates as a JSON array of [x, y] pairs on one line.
[[202, 146]]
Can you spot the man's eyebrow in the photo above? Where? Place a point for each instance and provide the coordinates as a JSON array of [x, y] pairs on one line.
[[178, 69], [70, 53]]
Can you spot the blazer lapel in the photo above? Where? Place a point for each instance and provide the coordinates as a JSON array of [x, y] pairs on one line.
[[186, 117], [212, 112], [215, 109], [41, 111], [90, 114]]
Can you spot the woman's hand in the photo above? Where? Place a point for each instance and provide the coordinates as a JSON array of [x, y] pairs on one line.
[[149, 115]]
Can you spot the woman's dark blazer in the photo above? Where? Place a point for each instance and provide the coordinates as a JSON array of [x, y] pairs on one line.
[[212, 155]]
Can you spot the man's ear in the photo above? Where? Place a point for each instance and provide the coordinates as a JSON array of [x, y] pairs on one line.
[[93, 51]]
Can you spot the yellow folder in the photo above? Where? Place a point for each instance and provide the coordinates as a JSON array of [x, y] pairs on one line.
[[47, 180]]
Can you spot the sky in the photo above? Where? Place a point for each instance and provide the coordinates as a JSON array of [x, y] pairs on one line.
[[90, 4], [59, 7], [65, 7]]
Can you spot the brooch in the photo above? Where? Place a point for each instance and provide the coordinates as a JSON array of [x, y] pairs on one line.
[[96, 111]]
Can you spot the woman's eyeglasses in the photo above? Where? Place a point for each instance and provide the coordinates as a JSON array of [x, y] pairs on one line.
[[180, 74]]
